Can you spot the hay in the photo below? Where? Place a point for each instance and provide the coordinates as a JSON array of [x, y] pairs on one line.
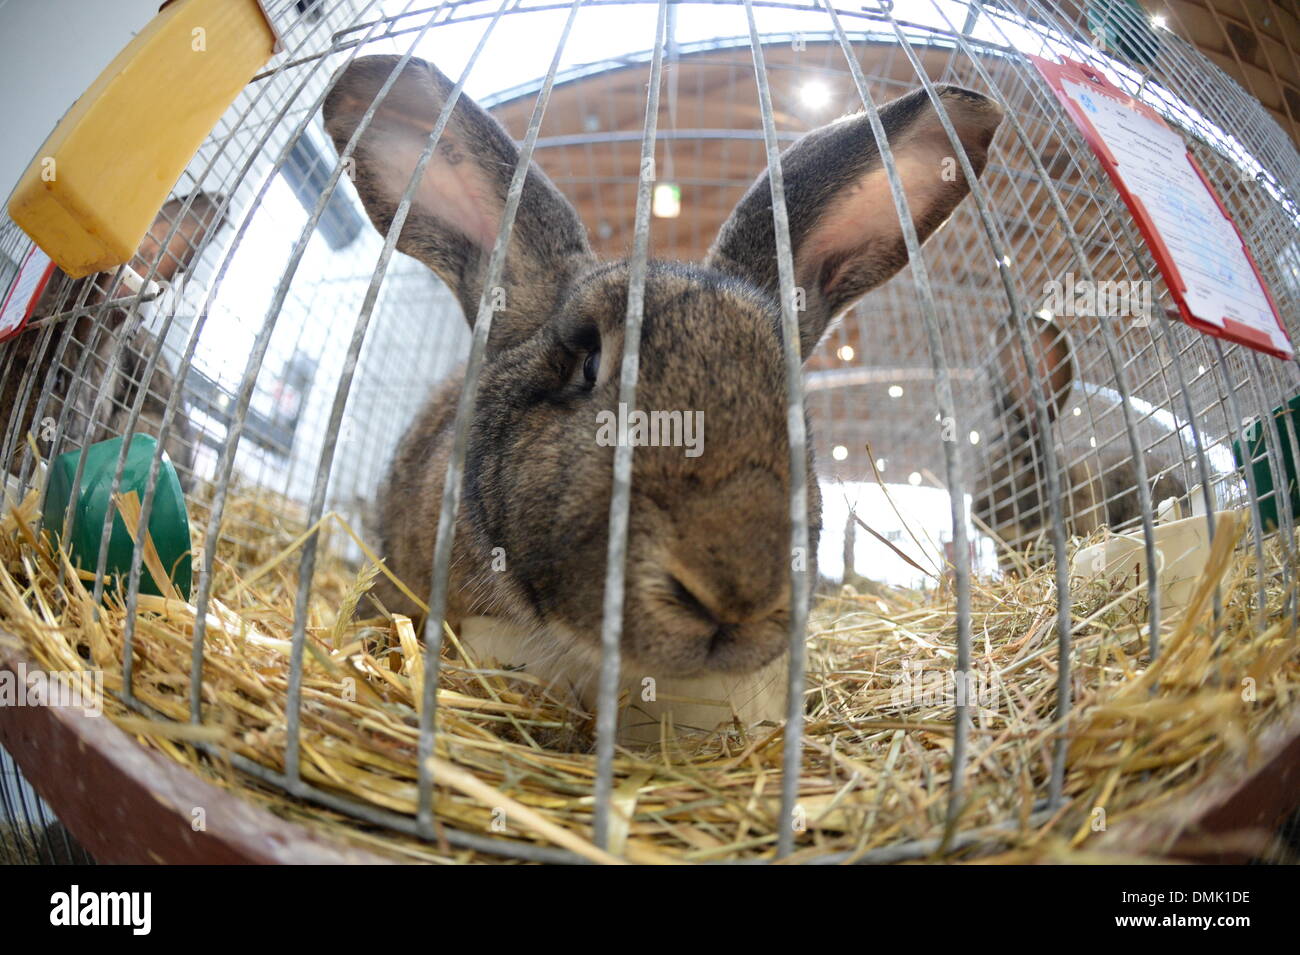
[[514, 758]]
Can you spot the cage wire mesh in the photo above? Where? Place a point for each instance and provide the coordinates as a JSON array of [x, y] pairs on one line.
[[288, 354]]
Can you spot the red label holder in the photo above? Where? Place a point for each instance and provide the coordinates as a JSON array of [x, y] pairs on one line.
[[34, 273], [1231, 329]]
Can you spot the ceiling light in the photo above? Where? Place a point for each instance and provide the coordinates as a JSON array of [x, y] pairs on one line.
[[667, 200], [815, 94]]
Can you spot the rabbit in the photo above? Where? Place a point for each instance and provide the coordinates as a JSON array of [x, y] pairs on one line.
[[1009, 496], [99, 336], [708, 560]]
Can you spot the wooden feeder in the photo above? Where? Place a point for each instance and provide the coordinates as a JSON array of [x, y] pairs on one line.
[[97, 184]]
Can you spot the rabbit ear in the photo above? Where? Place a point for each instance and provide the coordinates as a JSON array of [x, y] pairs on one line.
[[844, 229], [457, 207], [1053, 365]]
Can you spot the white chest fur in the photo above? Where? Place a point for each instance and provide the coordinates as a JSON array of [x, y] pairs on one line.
[[689, 704]]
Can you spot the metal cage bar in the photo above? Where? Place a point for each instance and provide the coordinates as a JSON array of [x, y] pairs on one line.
[[1036, 213], [620, 501]]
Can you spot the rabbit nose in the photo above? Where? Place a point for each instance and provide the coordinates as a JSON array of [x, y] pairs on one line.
[[722, 641], [688, 599], [727, 595], [721, 634], [730, 549], [725, 616], [732, 635]]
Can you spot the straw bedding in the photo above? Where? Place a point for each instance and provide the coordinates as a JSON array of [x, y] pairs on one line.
[[516, 756]]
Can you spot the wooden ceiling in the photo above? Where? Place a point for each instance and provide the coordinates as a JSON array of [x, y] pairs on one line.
[[1256, 42], [709, 145], [709, 142]]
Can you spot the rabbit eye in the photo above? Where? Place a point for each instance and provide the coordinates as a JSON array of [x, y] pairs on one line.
[[591, 367]]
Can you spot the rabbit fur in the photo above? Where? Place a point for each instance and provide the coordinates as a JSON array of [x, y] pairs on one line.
[[1010, 496], [708, 559]]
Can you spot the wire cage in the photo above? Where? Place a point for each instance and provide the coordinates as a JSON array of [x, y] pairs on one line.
[[293, 347]]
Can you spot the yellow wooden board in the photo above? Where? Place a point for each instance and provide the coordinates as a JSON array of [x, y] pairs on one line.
[[97, 184]]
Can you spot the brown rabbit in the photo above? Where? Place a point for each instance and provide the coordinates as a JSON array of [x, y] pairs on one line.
[[1009, 497], [99, 336], [708, 564]]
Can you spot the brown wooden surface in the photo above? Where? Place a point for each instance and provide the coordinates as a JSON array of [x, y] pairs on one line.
[[1256, 42], [127, 804], [1232, 817]]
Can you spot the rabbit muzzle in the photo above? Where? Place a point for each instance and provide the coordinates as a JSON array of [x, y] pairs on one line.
[[712, 592]]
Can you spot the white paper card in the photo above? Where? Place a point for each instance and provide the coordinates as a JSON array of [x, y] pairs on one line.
[[1206, 250], [25, 285]]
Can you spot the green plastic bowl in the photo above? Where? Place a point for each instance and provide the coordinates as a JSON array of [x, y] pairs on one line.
[[1257, 451], [169, 523]]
